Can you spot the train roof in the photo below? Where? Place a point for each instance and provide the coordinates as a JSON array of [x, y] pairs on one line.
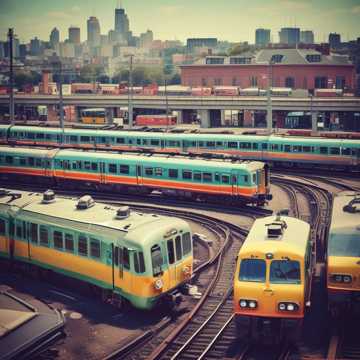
[[343, 220], [26, 151], [292, 238], [157, 159], [102, 216], [192, 136]]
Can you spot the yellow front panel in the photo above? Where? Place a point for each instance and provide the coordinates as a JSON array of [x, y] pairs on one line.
[[344, 266]]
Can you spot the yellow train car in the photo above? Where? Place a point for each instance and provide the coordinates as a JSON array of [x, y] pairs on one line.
[[272, 282], [93, 116], [130, 257], [343, 253]]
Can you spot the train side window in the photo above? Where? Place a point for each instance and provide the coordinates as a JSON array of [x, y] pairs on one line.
[[255, 146], [197, 176], [275, 147], [138, 141], [173, 173], [154, 142], [22, 161], [85, 138], [187, 174], [246, 178], [136, 263], [186, 243], [34, 233], [245, 145], [87, 165], [44, 236], [171, 251], [112, 168], [178, 248], [287, 148], [30, 136], [69, 242], [2, 227], [141, 262], [18, 230], [306, 149], [207, 177], [233, 179], [124, 169], [219, 144], [79, 164], [126, 258], [120, 140], [39, 135], [156, 260], [94, 166], [254, 178], [334, 151], [144, 142], [217, 177], [323, 150], [346, 151], [9, 159], [73, 138], [232, 145], [58, 240], [201, 144], [116, 256], [38, 162], [149, 171], [95, 250], [82, 245], [210, 144], [31, 161], [264, 146], [158, 171], [225, 179]]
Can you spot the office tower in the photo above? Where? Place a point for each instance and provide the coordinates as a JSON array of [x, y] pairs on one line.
[[307, 37], [290, 36], [54, 37], [74, 35], [334, 40], [93, 31], [262, 37]]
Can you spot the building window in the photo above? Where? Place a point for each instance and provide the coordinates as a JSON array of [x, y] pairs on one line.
[[321, 82], [240, 60], [203, 82], [290, 82], [340, 82], [313, 58], [218, 82], [253, 81], [214, 60], [234, 81], [276, 58]]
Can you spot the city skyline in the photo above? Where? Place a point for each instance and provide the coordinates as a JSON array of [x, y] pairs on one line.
[[203, 18]]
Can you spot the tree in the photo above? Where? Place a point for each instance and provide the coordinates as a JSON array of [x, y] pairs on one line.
[[23, 78], [90, 73], [175, 79]]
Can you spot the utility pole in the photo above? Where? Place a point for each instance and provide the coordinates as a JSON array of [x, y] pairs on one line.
[[61, 100], [11, 53], [130, 94], [167, 106]]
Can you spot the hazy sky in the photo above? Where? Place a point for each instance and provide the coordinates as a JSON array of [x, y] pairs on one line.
[[233, 20]]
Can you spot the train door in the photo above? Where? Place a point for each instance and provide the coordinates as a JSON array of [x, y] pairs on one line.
[[162, 144], [178, 258], [121, 267], [102, 173], [4, 238], [170, 246], [234, 183], [11, 236], [139, 178]]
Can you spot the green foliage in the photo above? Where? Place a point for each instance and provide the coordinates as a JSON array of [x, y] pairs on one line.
[[23, 78], [239, 49], [141, 75], [89, 73]]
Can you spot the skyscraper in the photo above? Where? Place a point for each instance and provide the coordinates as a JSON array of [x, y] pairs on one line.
[[262, 37], [334, 40], [54, 37], [290, 36], [93, 31], [121, 24], [74, 35], [146, 38], [35, 47], [307, 37]]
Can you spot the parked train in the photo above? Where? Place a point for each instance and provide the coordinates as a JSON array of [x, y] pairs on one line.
[[276, 149], [343, 253], [272, 282], [139, 258], [246, 182]]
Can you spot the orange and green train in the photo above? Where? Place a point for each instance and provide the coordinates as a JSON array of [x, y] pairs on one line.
[[246, 182], [140, 258]]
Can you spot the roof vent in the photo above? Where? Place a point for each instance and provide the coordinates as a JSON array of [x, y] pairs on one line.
[[48, 197], [85, 202], [276, 228], [122, 212], [353, 206]]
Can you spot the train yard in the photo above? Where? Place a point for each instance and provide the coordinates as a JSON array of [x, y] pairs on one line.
[[202, 326]]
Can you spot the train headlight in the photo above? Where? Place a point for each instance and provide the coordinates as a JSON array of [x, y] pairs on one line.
[[186, 270], [248, 304], [243, 303], [288, 306], [158, 284], [347, 279]]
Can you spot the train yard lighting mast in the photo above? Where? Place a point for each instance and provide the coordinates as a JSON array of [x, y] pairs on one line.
[[11, 55], [58, 65], [130, 93]]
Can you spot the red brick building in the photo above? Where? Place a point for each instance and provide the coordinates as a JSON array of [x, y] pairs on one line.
[[292, 68]]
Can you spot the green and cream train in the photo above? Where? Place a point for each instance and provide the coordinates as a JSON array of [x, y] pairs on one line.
[[129, 256]]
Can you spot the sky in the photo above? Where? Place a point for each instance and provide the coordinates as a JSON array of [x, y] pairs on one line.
[[232, 20]]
